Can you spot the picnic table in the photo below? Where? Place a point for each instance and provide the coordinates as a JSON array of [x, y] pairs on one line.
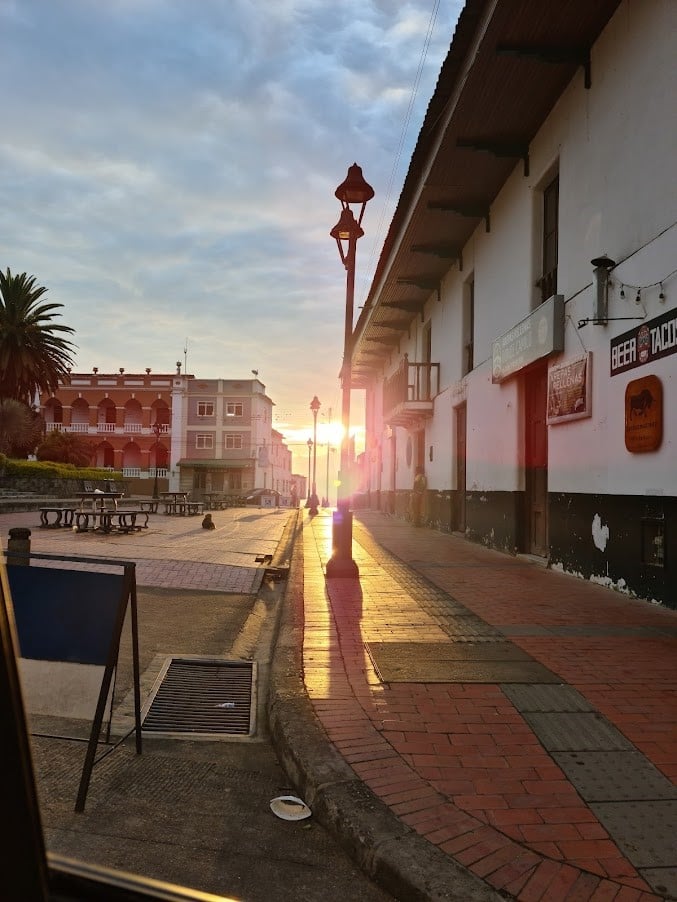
[[178, 503], [99, 500]]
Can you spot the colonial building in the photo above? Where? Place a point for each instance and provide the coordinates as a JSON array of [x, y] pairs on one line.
[[192, 434], [519, 340], [117, 413]]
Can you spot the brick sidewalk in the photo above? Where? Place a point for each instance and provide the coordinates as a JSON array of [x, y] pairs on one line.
[[550, 772]]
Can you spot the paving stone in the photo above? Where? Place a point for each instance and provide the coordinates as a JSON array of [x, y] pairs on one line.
[[645, 831], [467, 650], [571, 732], [615, 776], [661, 880], [394, 666], [546, 698], [526, 630]]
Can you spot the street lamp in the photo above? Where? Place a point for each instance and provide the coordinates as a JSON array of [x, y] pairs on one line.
[[157, 429], [310, 447], [354, 190], [314, 501]]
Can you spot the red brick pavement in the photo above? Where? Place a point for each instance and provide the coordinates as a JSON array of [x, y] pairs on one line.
[[456, 761]]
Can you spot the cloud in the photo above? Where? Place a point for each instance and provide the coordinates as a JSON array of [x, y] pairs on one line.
[[167, 171]]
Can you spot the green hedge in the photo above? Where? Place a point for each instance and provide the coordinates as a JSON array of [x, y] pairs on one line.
[[45, 469]]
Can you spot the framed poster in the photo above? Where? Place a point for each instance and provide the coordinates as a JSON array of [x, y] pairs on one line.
[[569, 390]]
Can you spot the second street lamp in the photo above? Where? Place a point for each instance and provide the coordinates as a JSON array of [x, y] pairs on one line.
[[314, 501], [310, 446], [354, 190]]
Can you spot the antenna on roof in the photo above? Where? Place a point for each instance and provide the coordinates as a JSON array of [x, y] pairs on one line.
[[185, 356]]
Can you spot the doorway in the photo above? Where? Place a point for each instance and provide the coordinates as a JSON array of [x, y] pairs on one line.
[[536, 461], [461, 429]]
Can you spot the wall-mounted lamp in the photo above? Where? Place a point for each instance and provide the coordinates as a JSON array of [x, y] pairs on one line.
[[430, 452], [602, 266]]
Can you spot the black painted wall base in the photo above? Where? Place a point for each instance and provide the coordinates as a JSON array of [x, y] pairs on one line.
[[626, 541]]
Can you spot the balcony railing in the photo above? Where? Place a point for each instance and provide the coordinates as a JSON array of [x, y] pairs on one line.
[[408, 394], [77, 427]]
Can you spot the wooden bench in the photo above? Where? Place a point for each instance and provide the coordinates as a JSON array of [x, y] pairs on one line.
[[61, 516]]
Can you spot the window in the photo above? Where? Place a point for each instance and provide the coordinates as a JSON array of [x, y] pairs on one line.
[[548, 281], [203, 441], [205, 408], [468, 326], [233, 409], [233, 442]]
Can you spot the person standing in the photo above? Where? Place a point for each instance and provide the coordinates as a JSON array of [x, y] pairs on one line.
[[418, 496]]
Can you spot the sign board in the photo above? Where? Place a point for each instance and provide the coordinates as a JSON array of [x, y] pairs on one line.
[[538, 335], [643, 414], [569, 395], [650, 341]]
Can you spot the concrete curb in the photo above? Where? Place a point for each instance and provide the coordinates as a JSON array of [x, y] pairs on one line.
[[389, 852]]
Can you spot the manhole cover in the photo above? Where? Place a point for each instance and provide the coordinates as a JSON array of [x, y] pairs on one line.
[[203, 698]]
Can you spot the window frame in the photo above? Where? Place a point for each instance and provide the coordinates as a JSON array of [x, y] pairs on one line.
[[208, 441], [205, 405]]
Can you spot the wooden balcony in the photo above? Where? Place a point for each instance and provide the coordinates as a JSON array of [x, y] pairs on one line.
[[408, 396]]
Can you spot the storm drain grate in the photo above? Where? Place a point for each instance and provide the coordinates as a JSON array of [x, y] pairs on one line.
[[203, 697]]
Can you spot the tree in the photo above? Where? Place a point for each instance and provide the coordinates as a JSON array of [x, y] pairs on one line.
[[34, 354], [66, 448], [20, 428]]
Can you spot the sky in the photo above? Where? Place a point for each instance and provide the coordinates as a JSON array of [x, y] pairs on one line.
[[168, 168]]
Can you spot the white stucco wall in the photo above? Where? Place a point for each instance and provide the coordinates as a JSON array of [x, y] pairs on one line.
[[615, 147]]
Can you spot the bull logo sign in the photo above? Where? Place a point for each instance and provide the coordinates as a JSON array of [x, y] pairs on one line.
[[643, 414]]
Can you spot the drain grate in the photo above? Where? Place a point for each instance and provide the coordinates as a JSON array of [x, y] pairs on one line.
[[203, 697]]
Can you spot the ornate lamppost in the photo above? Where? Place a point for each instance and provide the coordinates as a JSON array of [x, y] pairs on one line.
[[157, 430], [310, 448], [314, 500], [354, 190]]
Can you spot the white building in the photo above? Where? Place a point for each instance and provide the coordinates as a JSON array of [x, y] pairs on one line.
[[519, 340]]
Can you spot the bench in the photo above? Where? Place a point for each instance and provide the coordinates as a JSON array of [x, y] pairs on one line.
[[124, 520], [189, 508], [184, 508], [151, 505], [111, 521], [60, 516]]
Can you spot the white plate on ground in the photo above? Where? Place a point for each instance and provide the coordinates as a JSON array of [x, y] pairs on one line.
[[290, 808]]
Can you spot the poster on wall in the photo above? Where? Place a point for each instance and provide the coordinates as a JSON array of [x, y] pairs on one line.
[[569, 394]]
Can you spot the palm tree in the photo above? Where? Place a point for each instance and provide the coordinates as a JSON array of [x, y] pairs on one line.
[[34, 354]]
